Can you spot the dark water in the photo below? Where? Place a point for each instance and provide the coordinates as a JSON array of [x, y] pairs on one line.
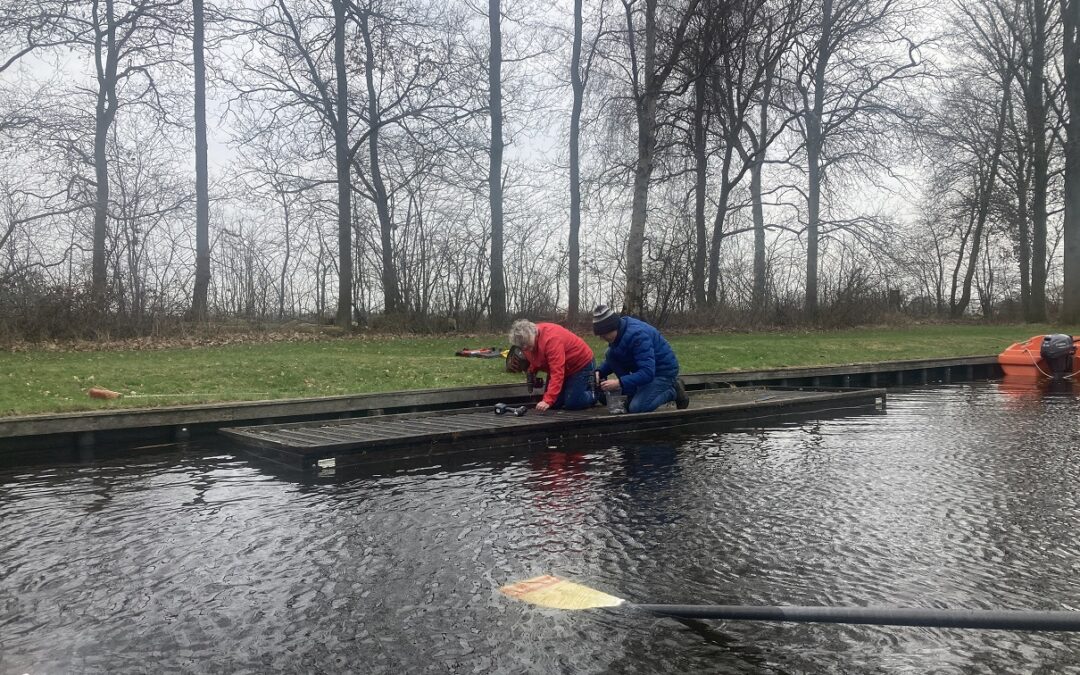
[[965, 496]]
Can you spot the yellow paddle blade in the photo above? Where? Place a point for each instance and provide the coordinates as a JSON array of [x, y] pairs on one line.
[[549, 591]]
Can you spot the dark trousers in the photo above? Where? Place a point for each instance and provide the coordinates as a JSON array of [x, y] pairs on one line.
[[577, 391]]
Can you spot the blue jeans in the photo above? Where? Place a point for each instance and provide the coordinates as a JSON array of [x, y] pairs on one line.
[[651, 396], [577, 392]]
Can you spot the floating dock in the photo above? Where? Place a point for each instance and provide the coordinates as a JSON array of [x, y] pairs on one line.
[[303, 445]]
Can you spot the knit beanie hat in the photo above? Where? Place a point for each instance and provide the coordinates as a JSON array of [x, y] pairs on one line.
[[604, 320]]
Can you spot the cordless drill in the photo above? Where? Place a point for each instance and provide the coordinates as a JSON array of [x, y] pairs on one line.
[[502, 409], [534, 382]]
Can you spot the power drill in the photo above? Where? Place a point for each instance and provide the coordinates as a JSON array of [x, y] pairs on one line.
[[534, 382], [502, 409]]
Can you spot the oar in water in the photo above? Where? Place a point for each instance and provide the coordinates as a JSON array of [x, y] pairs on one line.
[[550, 591]]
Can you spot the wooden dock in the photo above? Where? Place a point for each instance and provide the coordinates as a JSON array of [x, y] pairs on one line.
[[302, 445]]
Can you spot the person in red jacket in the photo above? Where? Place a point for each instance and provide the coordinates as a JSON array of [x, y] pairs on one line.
[[566, 359]]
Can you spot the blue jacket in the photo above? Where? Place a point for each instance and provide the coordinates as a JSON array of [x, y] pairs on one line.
[[638, 354]]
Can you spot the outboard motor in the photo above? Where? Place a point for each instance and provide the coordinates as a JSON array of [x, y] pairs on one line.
[[1057, 351]]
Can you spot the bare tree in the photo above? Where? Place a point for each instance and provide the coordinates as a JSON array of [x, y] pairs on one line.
[[1039, 27], [150, 207], [129, 43], [753, 38], [391, 292], [855, 60], [759, 144], [306, 84], [126, 44], [577, 82], [276, 176], [416, 70], [968, 143], [1070, 14], [649, 76], [202, 186], [31, 27], [1018, 37], [495, 188], [341, 161], [979, 208]]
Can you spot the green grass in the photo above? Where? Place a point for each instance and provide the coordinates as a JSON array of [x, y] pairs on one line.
[[57, 381]]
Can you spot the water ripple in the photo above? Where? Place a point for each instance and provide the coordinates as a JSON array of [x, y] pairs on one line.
[[958, 496]]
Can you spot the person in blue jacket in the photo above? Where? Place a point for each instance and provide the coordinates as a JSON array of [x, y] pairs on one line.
[[646, 367]]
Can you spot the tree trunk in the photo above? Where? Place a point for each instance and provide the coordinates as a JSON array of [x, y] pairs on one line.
[[982, 207], [574, 246], [1070, 12], [760, 148], [288, 254], [1023, 232], [646, 99], [634, 301], [757, 301], [344, 184], [718, 228], [701, 172], [391, 289], [105, 53], [1040, 158], [202, 187], [497, 310], [813, 161]]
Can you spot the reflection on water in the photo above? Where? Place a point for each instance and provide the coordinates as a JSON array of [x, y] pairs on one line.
[[962, 496]]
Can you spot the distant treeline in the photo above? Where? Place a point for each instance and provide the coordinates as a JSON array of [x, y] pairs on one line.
[[436, 165]]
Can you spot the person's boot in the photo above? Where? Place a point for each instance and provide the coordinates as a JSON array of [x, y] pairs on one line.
[[682, 401]]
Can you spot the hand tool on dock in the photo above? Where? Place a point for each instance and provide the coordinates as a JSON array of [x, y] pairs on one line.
[[502, 409]]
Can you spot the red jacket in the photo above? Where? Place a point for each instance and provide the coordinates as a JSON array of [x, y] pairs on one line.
[[558, 352]]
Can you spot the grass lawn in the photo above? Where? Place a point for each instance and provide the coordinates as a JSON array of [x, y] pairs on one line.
[[56, 381]]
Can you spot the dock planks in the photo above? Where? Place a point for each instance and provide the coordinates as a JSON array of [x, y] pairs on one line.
[[301, 444]]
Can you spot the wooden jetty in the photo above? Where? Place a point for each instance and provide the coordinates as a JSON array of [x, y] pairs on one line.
[[303, 445]]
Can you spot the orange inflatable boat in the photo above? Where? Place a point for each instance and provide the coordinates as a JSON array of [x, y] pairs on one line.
[[1042, 356]]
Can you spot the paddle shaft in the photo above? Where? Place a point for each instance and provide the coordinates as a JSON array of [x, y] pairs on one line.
[[930, 618]]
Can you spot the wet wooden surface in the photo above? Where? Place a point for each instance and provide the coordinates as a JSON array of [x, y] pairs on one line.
[[296, 442]]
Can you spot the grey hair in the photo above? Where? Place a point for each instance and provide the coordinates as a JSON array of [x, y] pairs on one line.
[[522, 333]]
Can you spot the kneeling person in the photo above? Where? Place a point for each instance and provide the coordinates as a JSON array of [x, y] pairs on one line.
[[642, 359], [566, 359]]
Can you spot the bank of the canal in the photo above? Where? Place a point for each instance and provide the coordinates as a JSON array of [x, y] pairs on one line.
[[160, 373], [84, 436]]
